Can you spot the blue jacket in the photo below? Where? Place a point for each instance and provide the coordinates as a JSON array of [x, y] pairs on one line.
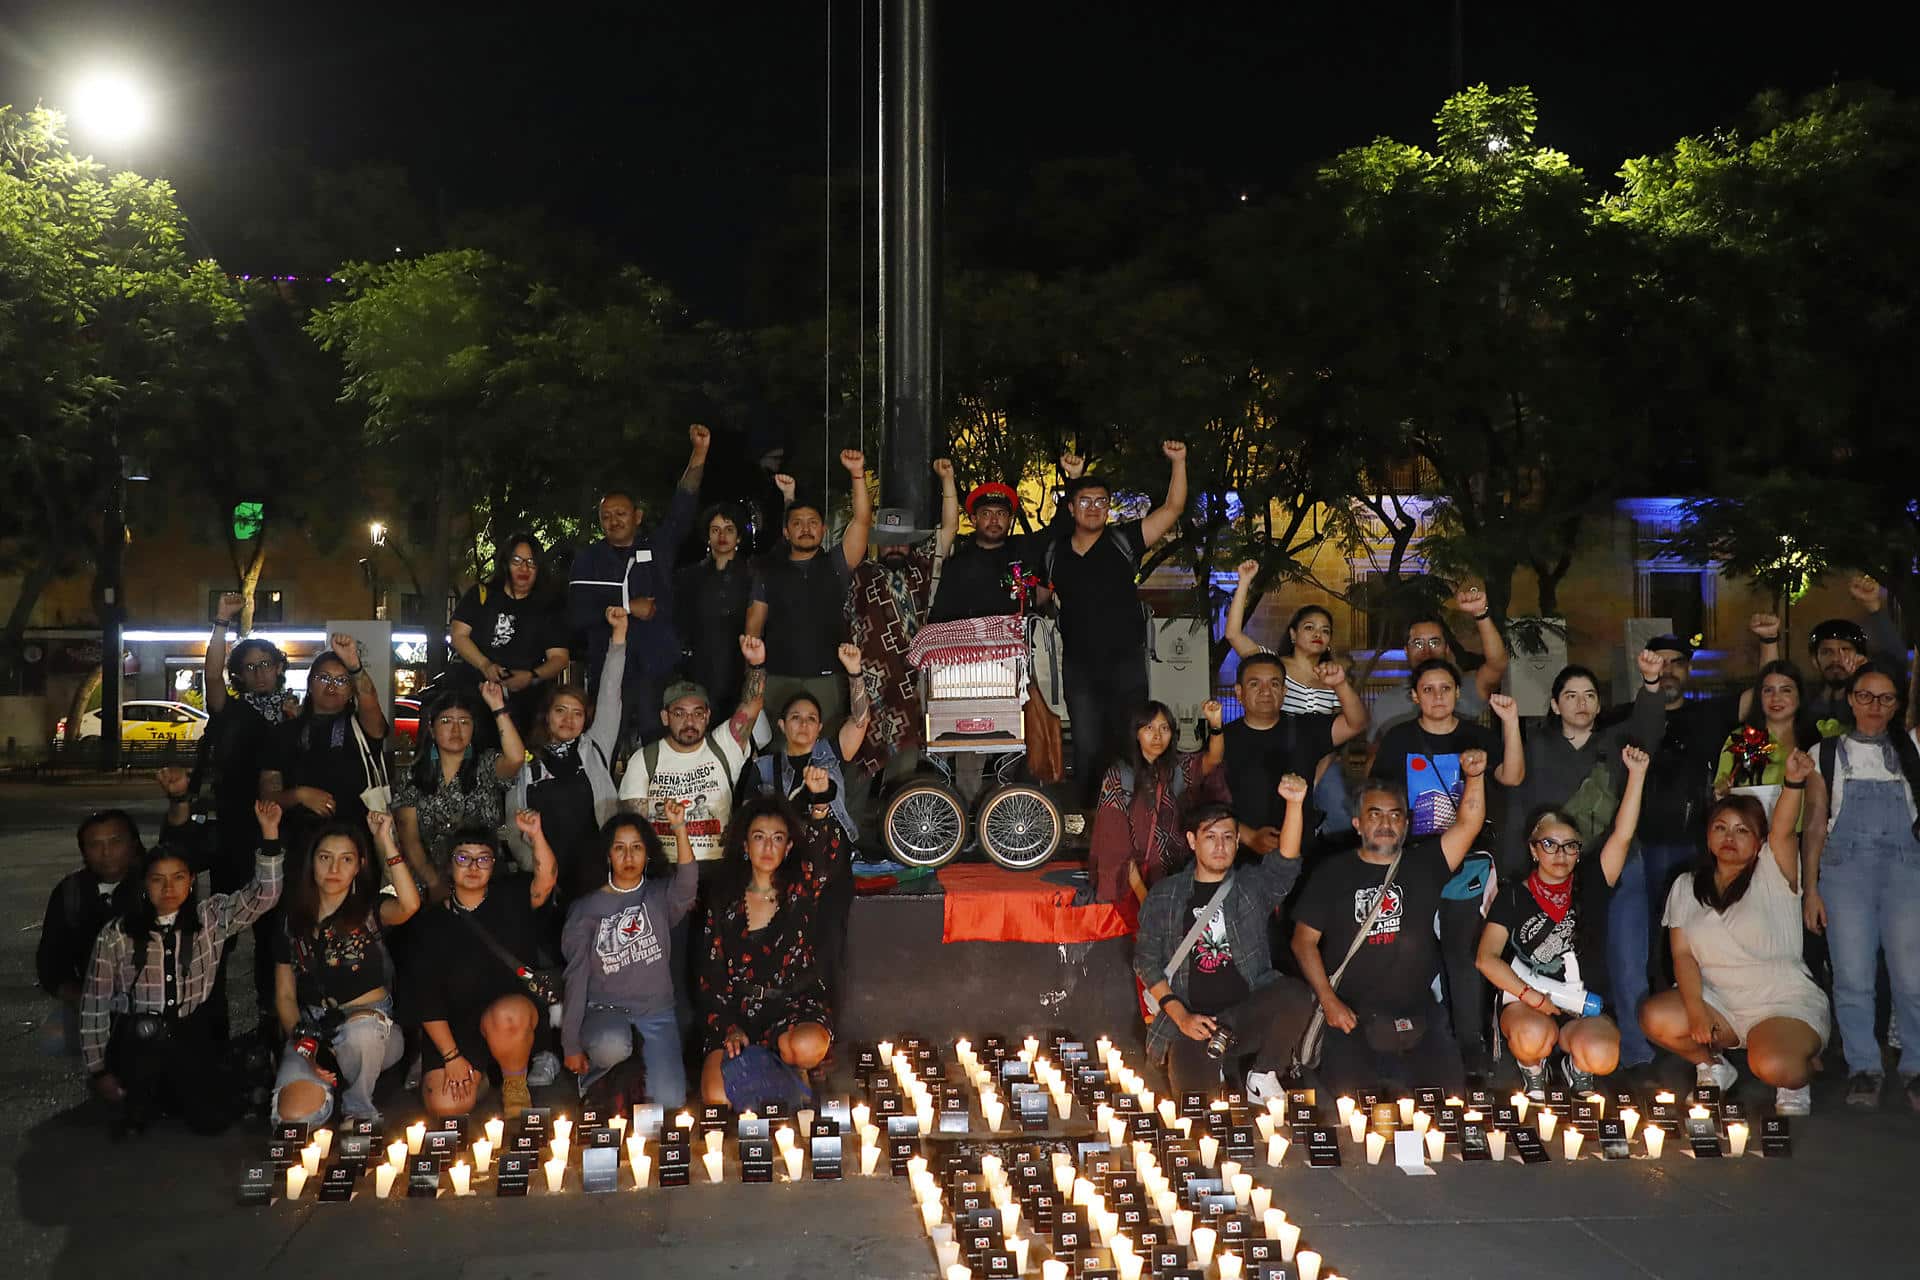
[[653, 646]]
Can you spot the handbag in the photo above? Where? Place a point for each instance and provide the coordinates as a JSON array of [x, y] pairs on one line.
[[377, 796], [1046, 756], [1308, 1052], [544, 990], [1187, 943]]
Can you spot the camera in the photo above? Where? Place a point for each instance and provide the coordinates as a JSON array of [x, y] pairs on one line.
[[1222, 1041]]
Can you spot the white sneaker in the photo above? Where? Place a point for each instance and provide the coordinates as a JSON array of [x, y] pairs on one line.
[[1716, 1071], [1263, 1086], [543, 1069], [1793, 1102]]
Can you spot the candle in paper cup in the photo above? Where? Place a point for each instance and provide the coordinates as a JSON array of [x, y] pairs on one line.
[[959, 1272], [794, 1155], [1262, 1200], [556, 1173], [1406, 1111], [1082, 1191], [805, 1117], [869, 1135], [642, 1167], [396, 1154], [1737, 1138], [1376, 1143], [1309, 1265], [1185, 1125], [310, 1158], [497, 1132], [1204, 1239], [1357, 1126], [1272, 1220], [1182, 1226], [1473, 1117], [1209, 1150], [1344, 1106], [1053, 1269], [1630, 1117], [1519, 1103], [991, 1111], [1010, 1218], [619, 1127], [684, 1120], [1655, 1139], [1116, 1131], [862, 1113], [991, 1166], [1665, 1095], [1229, 1266], [1599, 1101], [713, 1140], [945, 1254], [416, 1134], [930, 1213], [323, 1139], [939, 1233], [1031, 1045], [1017, 1246], [869, 1159], [1228, 1169], [562, 1129], [783, 1137], [482, 1155], [1102, 1116], [1698, 1112], [1242, 1184], [1497, 1144], [383, 1177], [916, 1166], [1547, 1122], [1063, 1179], [1277, 1149], [1436, 1146], [1167, 1112], [461, 1175], [712, 1160], [1063, 1103], [561, 1149], [1264, 1123], [1146, 1099], [886, 1050], [1422, 1122], [1109, 1224], [1572, 1139], [1129, 1265], [1289, 1240], [1168, 1203], [296, 1181]]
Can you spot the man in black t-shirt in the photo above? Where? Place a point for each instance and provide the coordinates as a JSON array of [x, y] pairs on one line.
[[1265, 744], [1094, 568], [1383, 1023], [973, 582]]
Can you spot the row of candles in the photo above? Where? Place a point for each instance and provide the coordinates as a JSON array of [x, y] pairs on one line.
[[1546, 1122]]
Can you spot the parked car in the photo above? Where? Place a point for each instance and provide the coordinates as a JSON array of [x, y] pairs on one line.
[[145, 721]]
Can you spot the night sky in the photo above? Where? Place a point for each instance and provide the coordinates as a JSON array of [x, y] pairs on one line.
[[682, 134]]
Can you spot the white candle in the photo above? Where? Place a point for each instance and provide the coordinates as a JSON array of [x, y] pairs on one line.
[[1422, 1122], [1655, 1139], [1203, 1242], [783, 1137], [869, 1158], [1436, 1146], [1631, 1118], [1547, 1122], [1357, 1126], [556, 1173], [296, 1181], [886, 1050], [1017, 1246], [1053, 1269], [684, 1120], [1272, 1220], [1519, 1101], [1082, 1191], [1376, 1143], [310, 1159], [1264, 1123], [1063, 1103], [805, 1116], [940, 1233], [1344, 1105], [1010, 1218], [1242, 1184], [916, 1166], [1497, 1144], [1063, 1179], [1665, 1095], [1168, 1203], [713, 1140], [1309, 1265], [1102, 1116], [561, 1149], [1599, 1100], [930, 1213], [497, 1132], [1229, 1267], [562, 1129], [1116, 1131], [461, 1175], [1182, 1226], [1262, 1201], [945, 1254], [383, 1177], [1185, 1125], [323, 1139], [794, 1155], [958, 1272], [1129, 1265], [1167, 1112], [482, 1155], [712, 1160], [1209, 1149], [1406, 1111], [619, 1127], [397, 1155], [1737, 1138], [1572, 1139], [1289, 1240], [862, 1114], [1277, 1149], [991, 1110], [416, 1134], [642, 1167], [1031, 1045]]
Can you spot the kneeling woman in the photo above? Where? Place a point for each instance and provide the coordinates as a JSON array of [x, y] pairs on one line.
[[760, 979], [1735, 926], [477, 1014], [1553, 923], [146, 1027], [619, 975], [333, 976]]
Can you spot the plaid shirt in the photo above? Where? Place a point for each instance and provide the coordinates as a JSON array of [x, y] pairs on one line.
[[169, 982], [1165, 918]]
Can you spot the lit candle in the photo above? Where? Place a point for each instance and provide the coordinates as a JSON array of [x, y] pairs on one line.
[[1599, 1101], [396, 1155], [1242, 1184], [1665, 1095], [556, 1173], [416, 1134], [1344, 1105], [684, 1120], [1737, 1138], [1182, 1226], [1406, 1111], [869, 1135], [1572, 1139], [482, 1155], [1104, 1046], [1168, 1203], [296, 1181], [991, 1110], [1185, 1125], [1209, 1149], [562, 1129], [916, 1166], [1146, 1099], [869, 1158], [862, 1113], [383, 1177], [323, 1139], [945, 1254], [958, 1272], [1032, 1047], [1272, 1220], [1264, 1123], [1376, 1143], [1422, 1122], [1357, 1126], [930, 1213], [1053, 1269], [1497, 1144], [783, 1137], [561, 1149], [1473, 1117], [1436, 1146], [310, 1159], [1010, 1218], [1631, 1118], [794, 1156], [1289, 1240], [1519, 1101], [886, 1050], [1229, 1267], [642, 1167], [1547, 1121], [712, 1160], [1063, 1103], [940, 1233], [1262, 1201], [1277, 1149], [1063, 1179], [1116, 1131], [1082, 1191], [1203, 1242], [1309, 1265], [461, 1175], [619, 1127], [1698, 1113], [1228, 1170], [1109, 1224], [497, 1132], [1017, 1246], [1655, 1139], [1129, 1265], [1102, 1116]]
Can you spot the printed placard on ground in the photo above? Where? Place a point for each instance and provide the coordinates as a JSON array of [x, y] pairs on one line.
[[1586, 1117], [1323, 1149], [1613, 1139], [1703, 1137], [336, 1182], [600, 1169], [825, 1149], [1526, 1142], [423, 1176], [256, 1182], [1473, 1143], [1776, 1138], [512, 1173], [648, 1117], [756, 1159], [748, 1126]]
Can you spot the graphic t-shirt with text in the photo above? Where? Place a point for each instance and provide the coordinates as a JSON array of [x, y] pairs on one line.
[[703, 778]]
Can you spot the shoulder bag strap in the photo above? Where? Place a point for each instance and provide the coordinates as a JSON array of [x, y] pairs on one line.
[[1308, 1052], [1192, 939]]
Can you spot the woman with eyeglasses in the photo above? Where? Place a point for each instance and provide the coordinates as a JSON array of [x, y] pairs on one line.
[[1552, 924], [1861, 855], [472, 985], [333, 974], [510, 630], [453, 784], [323, 762]]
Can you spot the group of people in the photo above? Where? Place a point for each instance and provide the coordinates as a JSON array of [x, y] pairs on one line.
[[580, 869]]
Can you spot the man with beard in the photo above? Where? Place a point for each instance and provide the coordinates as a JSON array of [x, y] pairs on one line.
[[975, 583], [1839, 647], [1383, 1024], [636, 574], [885, 608], [799, 601]]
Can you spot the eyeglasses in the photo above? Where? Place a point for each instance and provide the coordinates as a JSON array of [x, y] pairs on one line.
[[484, 861], [1861, 698], [449, 722], [1549, 846], [1419, 646], [334, 682], [521, 562], [265, 664], [1091, 503]]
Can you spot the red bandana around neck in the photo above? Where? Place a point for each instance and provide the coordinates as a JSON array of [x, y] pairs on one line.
[[1555, 900]]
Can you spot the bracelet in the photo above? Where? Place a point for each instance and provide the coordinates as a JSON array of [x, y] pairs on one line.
[[1795, 786], [356, 672], [500, 711], [1481, 616], [396, 860], [447, 1059]]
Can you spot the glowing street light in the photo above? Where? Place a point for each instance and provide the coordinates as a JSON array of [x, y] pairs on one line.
[[112, 107]]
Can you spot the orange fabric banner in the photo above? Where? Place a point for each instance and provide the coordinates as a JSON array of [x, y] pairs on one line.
[[988, 903]]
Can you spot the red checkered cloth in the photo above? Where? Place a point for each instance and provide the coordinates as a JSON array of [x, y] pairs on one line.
[[969, 640]]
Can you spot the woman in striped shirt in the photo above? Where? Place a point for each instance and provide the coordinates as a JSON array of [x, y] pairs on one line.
[[1306, 650]]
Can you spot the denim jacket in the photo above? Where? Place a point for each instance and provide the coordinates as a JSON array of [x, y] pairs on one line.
[[1165, 919]]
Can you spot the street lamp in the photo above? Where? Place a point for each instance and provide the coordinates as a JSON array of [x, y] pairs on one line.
[[111, 106], [114, 613]]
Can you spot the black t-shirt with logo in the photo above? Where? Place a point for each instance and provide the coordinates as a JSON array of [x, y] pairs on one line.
[[1256, 760], [1428, 766], [1214, 981], [1543, 944], [514, 633], [1394, 969], [1100, 617]]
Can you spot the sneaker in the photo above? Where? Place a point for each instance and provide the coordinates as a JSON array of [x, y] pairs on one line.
[[514, 1096], [1264, 1086], [1863, 1091], [1533, 1080], [1578, 1081], [1718, 1072], [543, 1069], [1793, 1102]]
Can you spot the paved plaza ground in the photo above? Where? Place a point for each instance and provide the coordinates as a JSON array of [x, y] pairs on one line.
[[72, 1204]]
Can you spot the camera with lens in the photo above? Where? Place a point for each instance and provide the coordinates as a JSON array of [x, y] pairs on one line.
[[1222, 1041]]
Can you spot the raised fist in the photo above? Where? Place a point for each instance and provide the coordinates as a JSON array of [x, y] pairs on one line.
[[231, 602], [854, 461], [617, 623], [268, 815], [1248, 570], [529, 825], [701, 439], [1799, 767], [943, 467], [493, 695], [754, 650], [1473, 763], [849, 655], [815, 779], [1072, 466], [1635, 759], [1331, 674], [1470, 600], [1293, 789], [1650, 665], [1213, 712], [786, 485], [1765, 627], [1504, 707], [1176, 450]]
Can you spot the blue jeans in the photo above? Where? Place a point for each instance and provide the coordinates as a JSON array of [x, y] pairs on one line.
[[1639, 901], [364, 1046], [606, 1036], [1870, 882]]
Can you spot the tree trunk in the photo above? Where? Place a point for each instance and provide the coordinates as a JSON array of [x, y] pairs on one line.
[[32, 586], [250, 579], [78, 707], [433, 588]]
